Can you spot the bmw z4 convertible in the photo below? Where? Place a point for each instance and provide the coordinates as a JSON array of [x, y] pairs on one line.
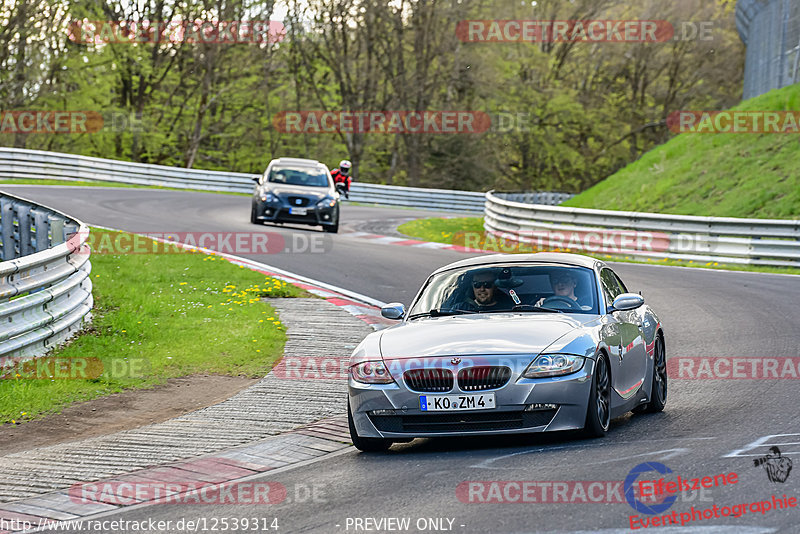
[[507, 344]]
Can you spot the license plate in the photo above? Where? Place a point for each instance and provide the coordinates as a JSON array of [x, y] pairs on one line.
[[456, 403], [298, 211]]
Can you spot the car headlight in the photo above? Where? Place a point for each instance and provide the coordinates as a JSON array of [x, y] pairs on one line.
[[371, 373], [327, 202], [268, 197], [554, 365]]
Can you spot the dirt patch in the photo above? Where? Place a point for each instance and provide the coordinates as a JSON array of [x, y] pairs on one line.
[[122, 411]]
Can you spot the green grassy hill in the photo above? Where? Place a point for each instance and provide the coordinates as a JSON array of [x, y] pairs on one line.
[[726, 175]]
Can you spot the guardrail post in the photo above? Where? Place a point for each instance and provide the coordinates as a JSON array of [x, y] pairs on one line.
[[7, 230], [41, 219], [57, 235], [69, 230], [24, 229]]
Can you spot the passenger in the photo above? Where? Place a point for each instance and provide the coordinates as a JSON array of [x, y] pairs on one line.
[[563, 284]]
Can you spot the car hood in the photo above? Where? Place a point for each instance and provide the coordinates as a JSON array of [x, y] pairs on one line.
[[299, 190], [498, 333]]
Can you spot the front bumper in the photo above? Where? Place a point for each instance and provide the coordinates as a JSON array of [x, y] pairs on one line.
[[399, 416], [315, 215]]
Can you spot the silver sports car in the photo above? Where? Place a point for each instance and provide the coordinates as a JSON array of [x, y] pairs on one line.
[[508, 344]]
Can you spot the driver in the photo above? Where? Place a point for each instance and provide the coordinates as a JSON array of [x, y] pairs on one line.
[[486, 295], [563, 284]]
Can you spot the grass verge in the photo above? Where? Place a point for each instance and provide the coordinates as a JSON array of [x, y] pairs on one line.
[[158, 316], [452, 232]]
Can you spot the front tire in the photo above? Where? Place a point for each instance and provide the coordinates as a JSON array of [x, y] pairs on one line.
[[598, 412], [334, 228], [365, 444], [658, 391], [254, 215]]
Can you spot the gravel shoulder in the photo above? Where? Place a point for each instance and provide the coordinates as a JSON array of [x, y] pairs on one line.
[[271, 406]]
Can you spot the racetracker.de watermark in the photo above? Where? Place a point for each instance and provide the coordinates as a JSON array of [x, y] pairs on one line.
[[732, 368], [176, 31], [581, 31], [71, 122], [125, 493], [594, 240], [239, 243], [386, 122], [737, 122], [50, 122], [72, 368], [189, 492], [558, 491], [333, 368]]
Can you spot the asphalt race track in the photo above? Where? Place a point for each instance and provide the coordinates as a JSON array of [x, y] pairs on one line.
[[707, 428]]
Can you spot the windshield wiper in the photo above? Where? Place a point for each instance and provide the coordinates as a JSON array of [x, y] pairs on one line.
[[441, 313], [530, 307]]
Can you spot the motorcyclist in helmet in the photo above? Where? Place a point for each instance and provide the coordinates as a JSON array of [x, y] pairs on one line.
[[342, 176]]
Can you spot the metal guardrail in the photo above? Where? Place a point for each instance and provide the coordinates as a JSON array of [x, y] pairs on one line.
[[539, 197], [45, 289], [36, 164], [769, 242], [433, 199]]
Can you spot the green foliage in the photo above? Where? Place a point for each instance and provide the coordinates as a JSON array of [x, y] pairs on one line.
[[580, 111]]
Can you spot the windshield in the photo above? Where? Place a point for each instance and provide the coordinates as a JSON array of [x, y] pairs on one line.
[[523, 288], [297, 176]]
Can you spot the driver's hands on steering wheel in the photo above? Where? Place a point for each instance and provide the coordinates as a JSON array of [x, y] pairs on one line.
[[557, 298], [467, 305]]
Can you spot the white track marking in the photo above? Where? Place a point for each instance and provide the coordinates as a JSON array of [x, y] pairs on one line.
[[763, 441]]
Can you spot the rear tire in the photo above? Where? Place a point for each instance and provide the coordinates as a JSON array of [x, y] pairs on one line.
[[598, 412], [658, 390], [365, 444]]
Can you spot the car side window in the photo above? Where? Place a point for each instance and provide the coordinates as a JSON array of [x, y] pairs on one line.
[[611, 285]]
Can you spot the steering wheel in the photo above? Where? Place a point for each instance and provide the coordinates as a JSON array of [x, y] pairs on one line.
[[572, 304], [466, 305]]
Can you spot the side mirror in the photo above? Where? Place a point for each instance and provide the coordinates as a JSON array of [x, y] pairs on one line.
[[626, 301], [394, 311], [257, 179]]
